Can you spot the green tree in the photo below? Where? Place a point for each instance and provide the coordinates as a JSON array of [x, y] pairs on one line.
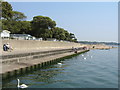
[[58, 33], [12, 26], [6, 10], [25, 27], [67, 35], [61, 34], [75, 40], [16, 26], [41, 26], [72, 35], [18, 16], [43, 22], [0, 10]]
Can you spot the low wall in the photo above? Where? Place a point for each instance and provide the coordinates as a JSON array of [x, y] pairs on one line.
[[7, 59], [35, 45], [24, 45]]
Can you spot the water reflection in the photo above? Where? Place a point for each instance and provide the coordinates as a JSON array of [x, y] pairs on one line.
[[42, 76], [99, 70]]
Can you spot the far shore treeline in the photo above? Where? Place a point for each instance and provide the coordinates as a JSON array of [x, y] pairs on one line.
[[40, 27]]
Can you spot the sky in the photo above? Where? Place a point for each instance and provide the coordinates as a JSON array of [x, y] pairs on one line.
[[89, 21]]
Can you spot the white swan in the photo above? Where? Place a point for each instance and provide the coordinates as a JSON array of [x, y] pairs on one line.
[[82, 55], [22, 85], [84, 58], [59, 63]]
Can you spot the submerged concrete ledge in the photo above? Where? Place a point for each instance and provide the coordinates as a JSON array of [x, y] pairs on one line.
[[25, 66]]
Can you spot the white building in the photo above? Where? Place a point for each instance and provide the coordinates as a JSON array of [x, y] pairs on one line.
[[39, 39], [22, 36], [5, 34]]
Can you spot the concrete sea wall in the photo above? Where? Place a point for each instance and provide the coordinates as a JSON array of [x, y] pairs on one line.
[[20, 64], [29, 45], [35, 45]]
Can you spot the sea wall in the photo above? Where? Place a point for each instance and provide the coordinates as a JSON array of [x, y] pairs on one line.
[[25, 45], [20, 64], [35, 45]]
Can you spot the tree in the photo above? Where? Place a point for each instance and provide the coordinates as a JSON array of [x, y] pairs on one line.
[[18, 16], [16, 26], [72, 35], [0, 10], [43, 22], [25, 27], [6, 10], [58, 33], [75, 40], [41, 25], [67, 35], [12, 26]]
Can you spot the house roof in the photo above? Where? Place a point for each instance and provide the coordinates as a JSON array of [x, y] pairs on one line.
[[21, 35], [5, 31]]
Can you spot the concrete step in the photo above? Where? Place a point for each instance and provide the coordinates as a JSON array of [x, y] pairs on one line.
[[34, 56], [29, 53]]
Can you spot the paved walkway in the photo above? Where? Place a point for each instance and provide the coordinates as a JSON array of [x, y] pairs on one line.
[[26, 51]]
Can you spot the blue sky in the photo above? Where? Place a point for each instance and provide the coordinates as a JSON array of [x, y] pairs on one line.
[[92, 21]]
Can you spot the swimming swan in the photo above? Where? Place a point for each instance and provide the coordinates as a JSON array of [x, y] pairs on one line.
[[22, 85], [82, 55], [59, 63]]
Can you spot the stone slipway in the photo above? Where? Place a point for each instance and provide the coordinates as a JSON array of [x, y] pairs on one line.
[[14, 66]]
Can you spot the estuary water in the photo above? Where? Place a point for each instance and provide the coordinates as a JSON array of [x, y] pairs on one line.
[[94, 69]]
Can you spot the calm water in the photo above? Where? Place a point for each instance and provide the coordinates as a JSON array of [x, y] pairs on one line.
[[94, 69]]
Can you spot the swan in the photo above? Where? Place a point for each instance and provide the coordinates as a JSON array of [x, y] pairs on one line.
[[60, 63], [22, 85], [82, 55], [84, 58]]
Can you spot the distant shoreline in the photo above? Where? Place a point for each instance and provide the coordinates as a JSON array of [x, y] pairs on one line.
[[95, 42]]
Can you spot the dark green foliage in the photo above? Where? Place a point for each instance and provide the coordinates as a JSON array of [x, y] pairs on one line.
[[16, 26], [58, 33], [25, 27], [40, 27], [61, 34], [12, 26], [42, 22], [0, 10], [18, 16], [6, 10]]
